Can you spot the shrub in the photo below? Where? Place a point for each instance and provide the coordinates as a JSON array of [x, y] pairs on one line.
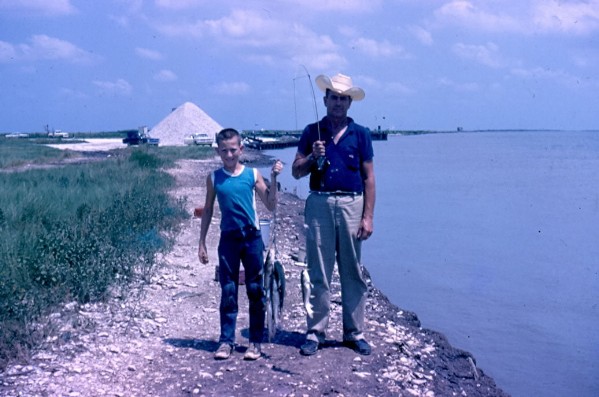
[[70, 233]]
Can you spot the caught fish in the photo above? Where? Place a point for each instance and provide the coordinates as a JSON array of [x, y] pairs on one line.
[[279, 273], [306, 292], [269, 262]]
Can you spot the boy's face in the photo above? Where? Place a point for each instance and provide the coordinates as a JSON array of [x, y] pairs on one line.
[[229, 151]]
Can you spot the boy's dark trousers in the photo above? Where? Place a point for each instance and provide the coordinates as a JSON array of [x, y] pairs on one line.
[[241, 246]]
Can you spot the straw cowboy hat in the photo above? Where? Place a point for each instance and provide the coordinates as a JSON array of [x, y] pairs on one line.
[[340, 84]]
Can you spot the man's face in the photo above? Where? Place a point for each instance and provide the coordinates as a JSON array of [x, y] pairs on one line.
[[337, 105]]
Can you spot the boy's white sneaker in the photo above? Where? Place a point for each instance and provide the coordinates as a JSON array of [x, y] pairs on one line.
[[253, 352], [223, 352]]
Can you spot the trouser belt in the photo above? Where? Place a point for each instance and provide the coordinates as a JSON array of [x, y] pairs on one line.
[[336, 193]]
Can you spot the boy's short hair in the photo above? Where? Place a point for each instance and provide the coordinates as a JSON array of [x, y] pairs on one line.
[[227, 134]]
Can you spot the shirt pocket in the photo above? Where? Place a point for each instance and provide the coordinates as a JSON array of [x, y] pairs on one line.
[[351, 158]]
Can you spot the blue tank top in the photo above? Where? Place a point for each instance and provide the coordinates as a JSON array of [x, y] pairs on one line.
[[236, 198]]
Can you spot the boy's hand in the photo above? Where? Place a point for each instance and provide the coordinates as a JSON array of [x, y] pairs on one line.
[[277, 167], [203, 254]]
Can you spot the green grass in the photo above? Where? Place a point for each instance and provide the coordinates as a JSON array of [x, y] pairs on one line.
[[71, 233], [19, 151]]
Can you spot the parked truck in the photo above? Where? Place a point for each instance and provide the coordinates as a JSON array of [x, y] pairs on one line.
[[140, 137]]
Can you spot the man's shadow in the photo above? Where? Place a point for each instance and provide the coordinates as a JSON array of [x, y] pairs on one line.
[[282, 338]]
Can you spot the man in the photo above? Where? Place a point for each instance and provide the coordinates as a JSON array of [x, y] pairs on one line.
[[338, 155]]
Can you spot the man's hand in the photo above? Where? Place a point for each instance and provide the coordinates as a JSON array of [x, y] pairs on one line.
[[318, 149], [366, 229]]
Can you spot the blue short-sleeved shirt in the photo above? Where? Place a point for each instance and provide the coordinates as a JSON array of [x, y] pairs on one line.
[[343, 171]]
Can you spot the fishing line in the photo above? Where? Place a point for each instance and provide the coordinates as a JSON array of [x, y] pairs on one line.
[[321, 159]]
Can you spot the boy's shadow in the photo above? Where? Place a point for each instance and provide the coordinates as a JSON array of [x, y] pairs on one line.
[[283, 338], [196, 344]]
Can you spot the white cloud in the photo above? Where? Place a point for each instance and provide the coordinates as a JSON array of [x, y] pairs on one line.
[[148, 54], [44, 7], [423, 35], [120, 20], [582, 60], [487, 54], [72, 94], [42, 47], [323, 61], [233, 88], [553, 16], [397, 87], [7, 52], [179, 4], [126, 11], [267, 38], [377, 48], [464, 87], [246, 27], [131, 6], [570, 17], [558, 76], [119, 87], [305, 47], [465, 13], [336, 5], [387, 87], [165, 76]]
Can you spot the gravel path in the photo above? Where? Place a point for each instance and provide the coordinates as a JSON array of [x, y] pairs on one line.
[[159, 341]]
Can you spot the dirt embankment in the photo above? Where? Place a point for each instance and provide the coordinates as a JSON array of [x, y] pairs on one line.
[[160, 340]]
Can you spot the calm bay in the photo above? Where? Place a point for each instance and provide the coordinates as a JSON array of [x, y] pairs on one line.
[[492, 238]]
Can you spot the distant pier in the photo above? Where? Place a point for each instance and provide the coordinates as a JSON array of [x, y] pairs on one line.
[[378, 135], [289, 139], [268, 143]]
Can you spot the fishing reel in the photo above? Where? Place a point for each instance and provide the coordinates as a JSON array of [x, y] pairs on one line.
[[321, 163]]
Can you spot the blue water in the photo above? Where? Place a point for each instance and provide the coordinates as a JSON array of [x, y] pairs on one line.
[[493, 239]]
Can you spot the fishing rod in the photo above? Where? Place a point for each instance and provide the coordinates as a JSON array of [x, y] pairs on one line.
[[321, 160]]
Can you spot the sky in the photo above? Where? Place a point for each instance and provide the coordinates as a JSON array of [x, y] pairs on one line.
[[90, 66]]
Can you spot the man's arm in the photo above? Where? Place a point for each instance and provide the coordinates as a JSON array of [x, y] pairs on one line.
[[366, 224], [302, 165]]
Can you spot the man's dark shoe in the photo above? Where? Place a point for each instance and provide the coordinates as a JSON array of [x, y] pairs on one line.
[[359, 346], [309, 348]]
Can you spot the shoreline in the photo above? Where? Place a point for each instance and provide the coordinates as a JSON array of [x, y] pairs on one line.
[[159, 340], [454, 365]]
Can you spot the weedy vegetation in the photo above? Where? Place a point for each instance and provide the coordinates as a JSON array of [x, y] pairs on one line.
[[15, 152], [73, 233]]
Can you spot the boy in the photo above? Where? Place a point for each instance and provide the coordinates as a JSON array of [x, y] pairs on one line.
[[235, 185]]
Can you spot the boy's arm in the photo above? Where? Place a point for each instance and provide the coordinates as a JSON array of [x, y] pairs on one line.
[[206, 219], [266, 194]]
